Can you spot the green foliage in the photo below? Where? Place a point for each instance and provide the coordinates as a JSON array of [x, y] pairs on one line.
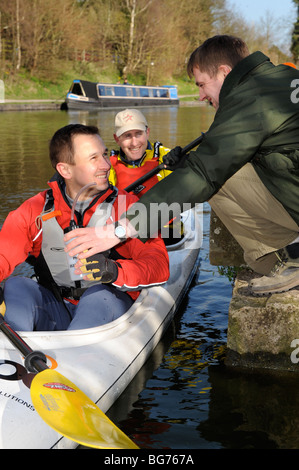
[[24, 86], [47, 44], [230, 272]]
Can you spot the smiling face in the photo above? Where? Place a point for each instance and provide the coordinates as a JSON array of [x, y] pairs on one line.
[[92, 165], [209, 87], [133, 143]]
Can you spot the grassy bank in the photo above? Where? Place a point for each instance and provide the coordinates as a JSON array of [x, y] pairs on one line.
[[23, 86]]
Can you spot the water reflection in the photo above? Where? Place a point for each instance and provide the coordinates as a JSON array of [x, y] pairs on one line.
[[24, 162], [250, 411]]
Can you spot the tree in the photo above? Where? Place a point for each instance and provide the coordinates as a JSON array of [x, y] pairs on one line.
[[148, 40], [295, 36], [18, 39], [41, 31], [10, 34], [48, 34]]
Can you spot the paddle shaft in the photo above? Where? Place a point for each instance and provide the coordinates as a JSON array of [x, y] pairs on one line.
[[34, 360], [156, 170]]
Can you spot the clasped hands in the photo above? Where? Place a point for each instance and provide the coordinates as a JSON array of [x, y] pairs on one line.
[[88, 241]]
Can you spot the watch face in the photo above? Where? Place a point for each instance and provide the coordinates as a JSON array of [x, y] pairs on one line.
[[120, 232]]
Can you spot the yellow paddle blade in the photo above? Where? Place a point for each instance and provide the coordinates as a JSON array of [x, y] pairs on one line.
[[70, 412]]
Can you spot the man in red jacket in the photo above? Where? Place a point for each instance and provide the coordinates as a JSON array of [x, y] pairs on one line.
[[79, 196]]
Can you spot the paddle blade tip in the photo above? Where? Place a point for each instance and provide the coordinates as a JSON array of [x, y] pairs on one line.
[[71, 413]]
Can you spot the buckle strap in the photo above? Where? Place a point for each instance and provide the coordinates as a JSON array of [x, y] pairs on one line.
[[72, 292]]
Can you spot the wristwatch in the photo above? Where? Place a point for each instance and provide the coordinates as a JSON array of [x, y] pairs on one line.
[[120, 231]]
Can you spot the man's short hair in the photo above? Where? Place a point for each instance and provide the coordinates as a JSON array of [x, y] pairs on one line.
[[61, 145], [216, 51]]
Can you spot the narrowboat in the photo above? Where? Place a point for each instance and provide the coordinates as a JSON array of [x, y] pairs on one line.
[[89, 95]]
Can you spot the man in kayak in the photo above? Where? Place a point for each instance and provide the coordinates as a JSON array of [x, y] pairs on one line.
[[247, 166], [137, 155], [79, 195]]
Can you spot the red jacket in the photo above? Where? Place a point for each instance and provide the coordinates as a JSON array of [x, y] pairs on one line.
[[127, 174], [146, 264]]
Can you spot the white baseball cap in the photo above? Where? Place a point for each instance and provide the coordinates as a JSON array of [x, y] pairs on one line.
[[128, 120]]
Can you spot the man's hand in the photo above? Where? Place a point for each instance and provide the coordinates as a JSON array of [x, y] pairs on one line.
[[173, 159], [91, 240], [99, 268]]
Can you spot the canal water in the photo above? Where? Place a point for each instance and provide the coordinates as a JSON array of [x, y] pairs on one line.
[[184, 397]]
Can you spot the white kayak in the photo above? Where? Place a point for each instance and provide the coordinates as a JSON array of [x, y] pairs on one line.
[[101, 361]]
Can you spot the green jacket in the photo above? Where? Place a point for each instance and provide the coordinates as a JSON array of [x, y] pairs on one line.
[[257, 121]]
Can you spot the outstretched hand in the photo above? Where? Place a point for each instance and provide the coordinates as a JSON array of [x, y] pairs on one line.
[[88, 241]]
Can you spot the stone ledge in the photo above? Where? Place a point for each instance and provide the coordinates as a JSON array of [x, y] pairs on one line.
[[261, 362], [34, 105], [261, 329]]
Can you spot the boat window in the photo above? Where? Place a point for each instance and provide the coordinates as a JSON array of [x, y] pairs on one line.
[[144, 92], [129, 91], [101, 90], [120, 91], [109, 91], [160, 93], [77, 89]]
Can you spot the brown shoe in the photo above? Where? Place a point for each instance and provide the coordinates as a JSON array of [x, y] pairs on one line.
[[283, 277]]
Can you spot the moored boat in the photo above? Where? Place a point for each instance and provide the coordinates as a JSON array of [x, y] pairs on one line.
[[89, 95], [103, 360]]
